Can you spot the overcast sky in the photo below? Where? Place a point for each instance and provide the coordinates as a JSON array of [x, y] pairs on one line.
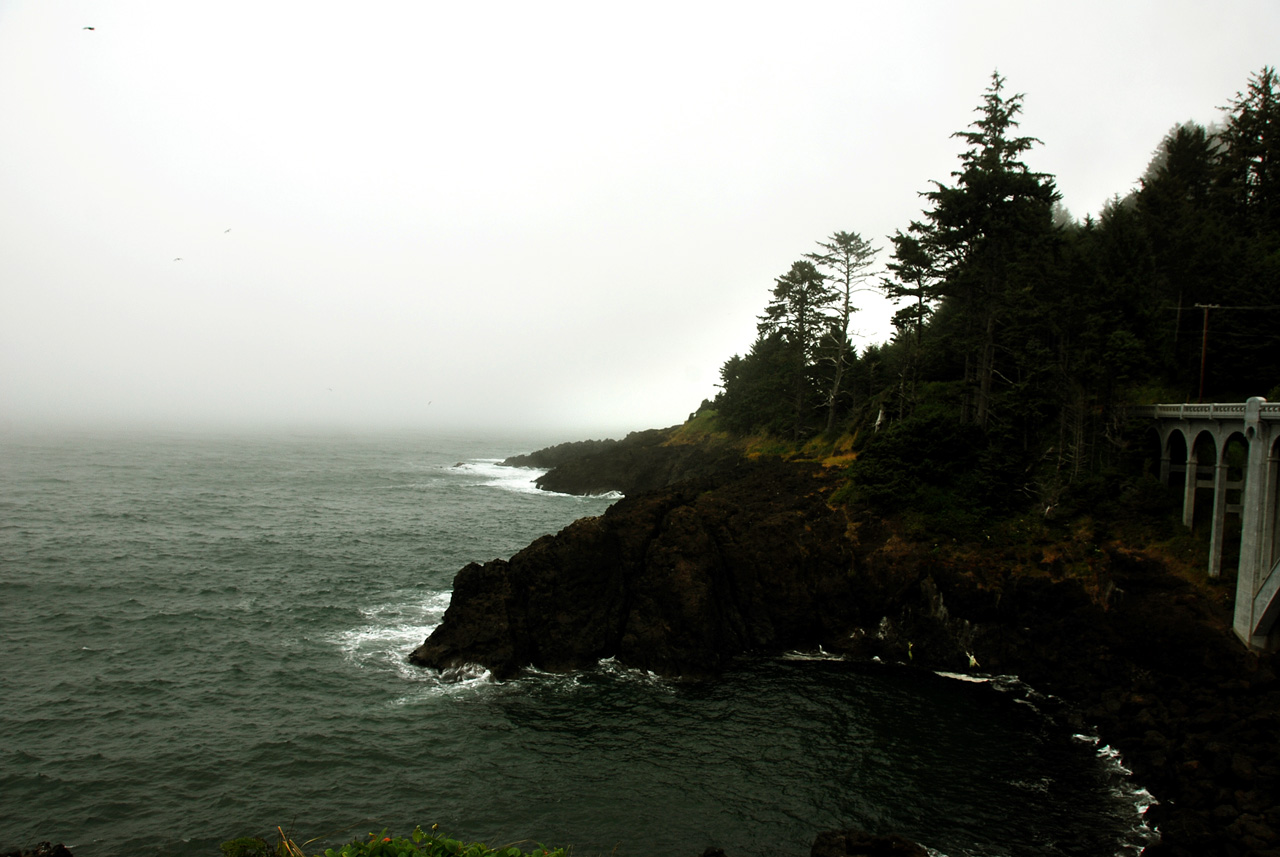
[[565, 216]]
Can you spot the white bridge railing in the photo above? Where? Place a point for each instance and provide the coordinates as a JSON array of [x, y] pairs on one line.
[[1208, 411]]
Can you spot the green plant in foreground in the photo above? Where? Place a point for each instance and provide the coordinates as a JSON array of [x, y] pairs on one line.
[[418, 844], [247, 846], [422, 844]]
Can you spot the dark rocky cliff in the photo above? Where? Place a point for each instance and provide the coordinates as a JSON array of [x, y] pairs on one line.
[[642, 461], [677, 581], [682, 579], [554, 456]]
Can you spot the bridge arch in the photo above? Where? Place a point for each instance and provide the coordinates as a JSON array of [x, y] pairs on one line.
[[1174, 457], [1154, 457], [1206, 447], [1202, 464], [1173, 451], [1234, 450]]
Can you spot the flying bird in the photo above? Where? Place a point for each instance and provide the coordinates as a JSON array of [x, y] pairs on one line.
[[88, 28], [177, 258], [225, 231]]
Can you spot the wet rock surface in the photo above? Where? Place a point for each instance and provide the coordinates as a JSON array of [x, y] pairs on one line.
[[681, 580], [1153, 668], [43, 849]]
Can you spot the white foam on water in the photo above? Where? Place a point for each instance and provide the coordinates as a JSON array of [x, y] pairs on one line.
[[391, 631], [607, 667], [491, 472], [1123, 788], [430, 685], [819, 654], [975, 679], [610, 666]]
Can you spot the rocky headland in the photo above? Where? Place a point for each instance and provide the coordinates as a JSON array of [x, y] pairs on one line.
[[642, 461], [747, 555]]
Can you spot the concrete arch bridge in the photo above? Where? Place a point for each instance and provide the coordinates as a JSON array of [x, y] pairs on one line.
[[1233, 450]]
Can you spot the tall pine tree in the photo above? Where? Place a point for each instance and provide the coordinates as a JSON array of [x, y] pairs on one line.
[[989, 234], [798, 312], [844, 259]]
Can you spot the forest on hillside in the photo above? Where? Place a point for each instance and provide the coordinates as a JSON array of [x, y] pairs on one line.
[[1022, 335]]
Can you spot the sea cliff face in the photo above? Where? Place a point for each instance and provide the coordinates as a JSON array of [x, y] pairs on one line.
[[755, 558], [677, 581]]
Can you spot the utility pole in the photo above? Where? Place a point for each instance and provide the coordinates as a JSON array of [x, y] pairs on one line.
[[1204, 344]]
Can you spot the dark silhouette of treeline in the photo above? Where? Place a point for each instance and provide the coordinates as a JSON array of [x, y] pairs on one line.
[[1022, 334]]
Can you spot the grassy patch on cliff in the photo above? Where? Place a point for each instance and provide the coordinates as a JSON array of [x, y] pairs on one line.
[[936, 481], [705, 427]]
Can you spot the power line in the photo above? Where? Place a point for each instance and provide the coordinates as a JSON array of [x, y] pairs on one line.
[[1217, 306]]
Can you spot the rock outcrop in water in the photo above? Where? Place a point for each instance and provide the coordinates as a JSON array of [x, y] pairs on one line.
[[681, 580], [642, 461], [677, 581], [43, 849]]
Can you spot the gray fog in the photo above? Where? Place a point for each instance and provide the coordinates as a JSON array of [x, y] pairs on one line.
[[553, 216]]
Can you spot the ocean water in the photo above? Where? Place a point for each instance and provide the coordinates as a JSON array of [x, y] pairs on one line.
[[204, 637]]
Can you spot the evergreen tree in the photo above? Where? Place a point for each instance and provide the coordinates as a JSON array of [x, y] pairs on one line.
[[1187, 238], [1249, 165], [845, 259], [913, 280], [1248, 362], [798, 312], [989, 235], [755, 389]]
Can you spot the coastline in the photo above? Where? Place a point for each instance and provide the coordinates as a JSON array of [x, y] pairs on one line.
[[1140, 656]]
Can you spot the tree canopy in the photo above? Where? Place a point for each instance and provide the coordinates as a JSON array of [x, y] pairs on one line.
[[1031, 328]]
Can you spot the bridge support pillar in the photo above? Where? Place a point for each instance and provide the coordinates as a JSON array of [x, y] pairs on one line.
[[1270, 537], [1189, 483], [1256, 620], [1219, 528], [1257, 585]]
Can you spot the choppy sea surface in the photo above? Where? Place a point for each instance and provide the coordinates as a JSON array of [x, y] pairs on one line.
[[205, 636]]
